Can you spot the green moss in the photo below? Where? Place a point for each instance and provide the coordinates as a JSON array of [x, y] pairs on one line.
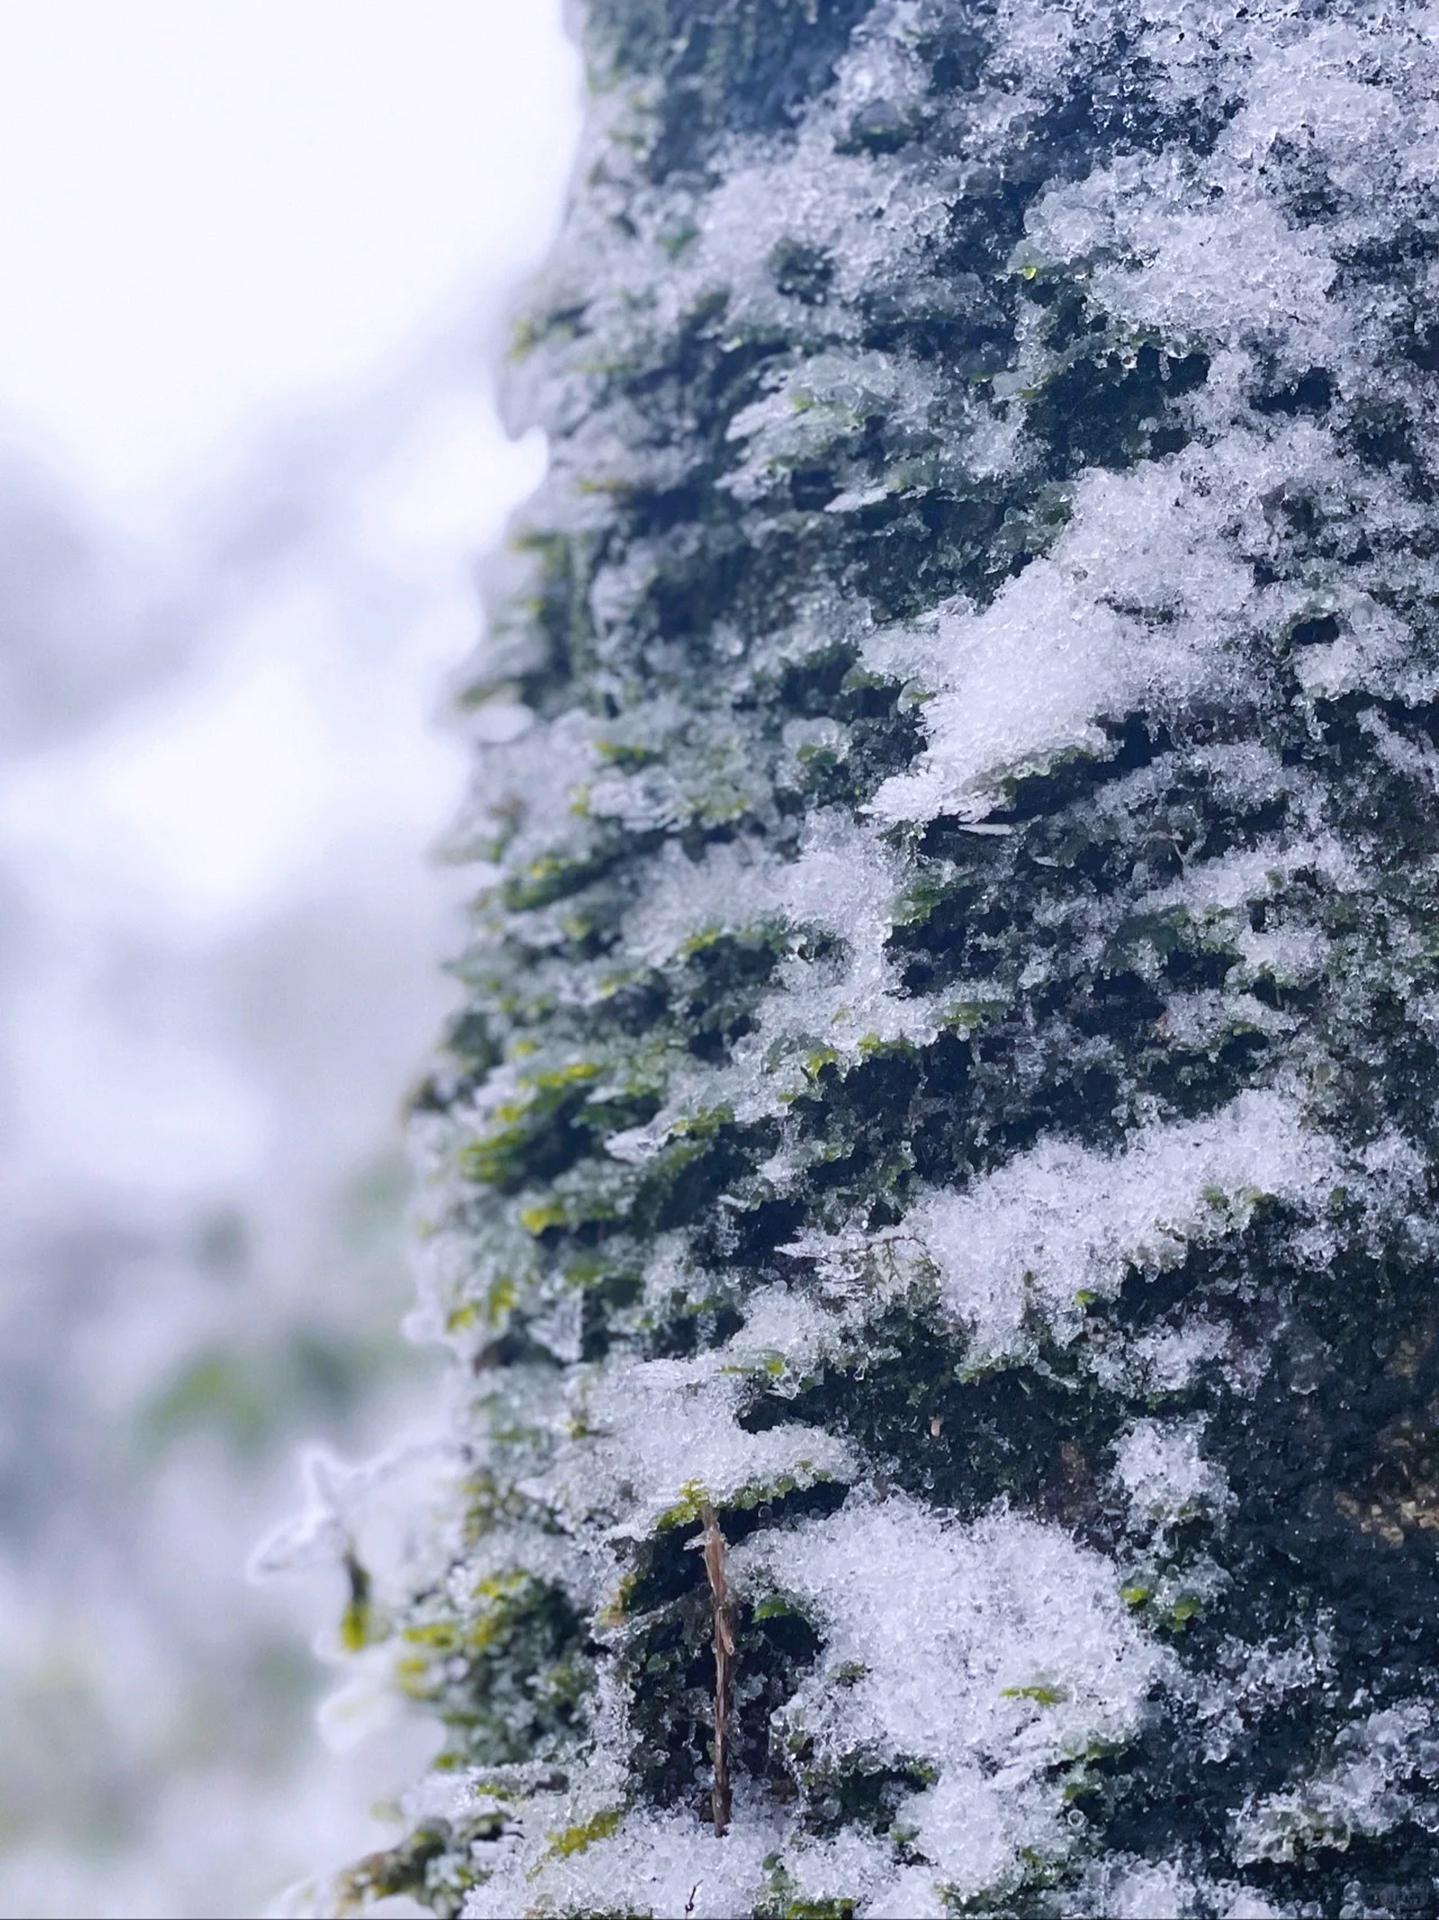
[[585, 1270], [705, 1125], [552, 877], [576, 1839], [761, 1366], [1164, 933], [696, 629], [1081, 1785], [357, 1624], [613, 1613], [534, 330], [775, 1607], [506, 1672], [439, 1636], [686, 1510], [587, 1197], [626, 755], [873, 1046], [545, 1214], [524, 1129], [783, 1901], [553, 1079], [500, 1598], [500, 1299], [756, 1493], [397, 1872]]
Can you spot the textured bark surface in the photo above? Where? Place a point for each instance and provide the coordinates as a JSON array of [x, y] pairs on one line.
[[947, 1075]]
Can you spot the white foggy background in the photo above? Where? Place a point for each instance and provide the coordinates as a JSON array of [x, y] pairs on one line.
[[257, 260]]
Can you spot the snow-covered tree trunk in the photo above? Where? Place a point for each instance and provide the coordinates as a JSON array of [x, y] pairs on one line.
[[930, 1191]]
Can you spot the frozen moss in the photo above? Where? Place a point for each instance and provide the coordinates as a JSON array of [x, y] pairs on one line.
[[945, 1083]]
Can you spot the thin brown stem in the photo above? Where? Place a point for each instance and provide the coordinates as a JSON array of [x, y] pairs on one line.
[[716, 1553]]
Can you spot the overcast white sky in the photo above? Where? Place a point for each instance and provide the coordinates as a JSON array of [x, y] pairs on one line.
[[219, 218], [208, 207], [252, 253]]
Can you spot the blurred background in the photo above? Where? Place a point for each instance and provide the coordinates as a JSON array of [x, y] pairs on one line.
[[258, 257]]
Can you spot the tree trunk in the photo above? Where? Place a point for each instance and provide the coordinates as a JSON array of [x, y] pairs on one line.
[[929, 1192]]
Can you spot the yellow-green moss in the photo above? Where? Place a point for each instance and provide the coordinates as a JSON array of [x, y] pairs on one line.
[[575, 1839]]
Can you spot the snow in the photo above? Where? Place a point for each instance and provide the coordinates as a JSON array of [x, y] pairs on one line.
[[987, 1654], [842, 881], [1062, 1221], [1125, 1887], [1385, 1772], [652, 1436], [1160, 1468], [768, 369], [651, 1863]]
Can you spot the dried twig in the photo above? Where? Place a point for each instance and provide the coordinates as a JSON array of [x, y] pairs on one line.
[[716, 1552]]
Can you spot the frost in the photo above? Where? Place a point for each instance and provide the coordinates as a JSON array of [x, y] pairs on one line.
[[842, 881], [1129, 1888], [873, 217], [658, 1863], [941, 1102], [1164, 1476], [522, 794], [1063, 1220], [653, 1437], [380, 1511], [949, 1647], [1235, 270], [1134, 607], [1173, 1357], [816, 406], [1255, 1680], [1233, 880], [1385, 1772]]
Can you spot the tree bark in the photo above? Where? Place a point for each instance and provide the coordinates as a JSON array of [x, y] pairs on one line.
[[944, 1104]]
